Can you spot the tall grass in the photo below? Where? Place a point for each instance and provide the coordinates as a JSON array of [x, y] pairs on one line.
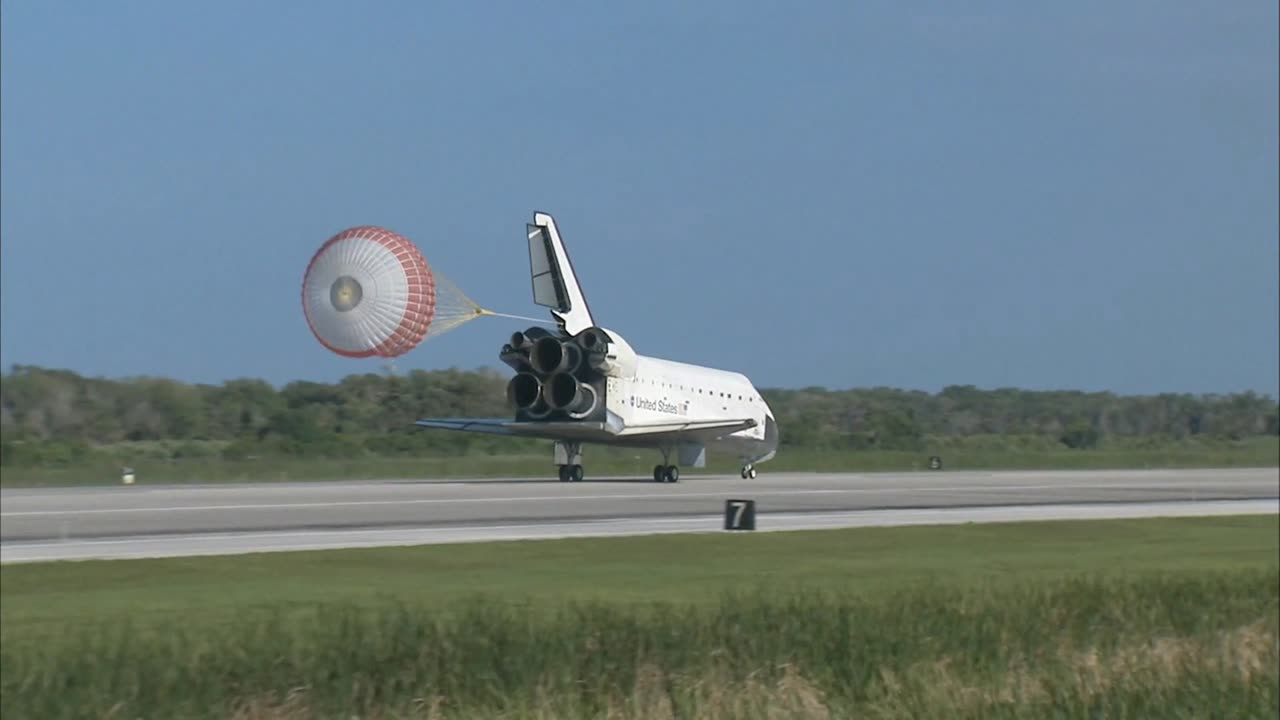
[[1172, 647]]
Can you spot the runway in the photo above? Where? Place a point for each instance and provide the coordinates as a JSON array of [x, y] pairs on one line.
[[143, 521]]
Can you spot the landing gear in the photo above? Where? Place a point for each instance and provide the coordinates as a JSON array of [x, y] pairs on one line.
[[666, 473], [571, 473], [568, 455], [748, 471]]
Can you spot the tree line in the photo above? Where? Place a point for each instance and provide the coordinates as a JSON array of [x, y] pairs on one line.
[[53, 415]]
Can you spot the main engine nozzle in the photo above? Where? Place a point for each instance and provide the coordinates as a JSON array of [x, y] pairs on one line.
[[565, 392], [524, 391], [525, 340], [593, 341], [551, 355]]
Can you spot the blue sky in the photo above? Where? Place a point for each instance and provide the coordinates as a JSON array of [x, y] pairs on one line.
[[1079, 195]]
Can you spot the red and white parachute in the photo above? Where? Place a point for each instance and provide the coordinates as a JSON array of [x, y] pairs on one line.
[[369, 292]]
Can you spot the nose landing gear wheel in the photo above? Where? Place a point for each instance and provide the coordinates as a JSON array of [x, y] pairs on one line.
[[748, 472], [571, 473], [671, 474], [658, 473]]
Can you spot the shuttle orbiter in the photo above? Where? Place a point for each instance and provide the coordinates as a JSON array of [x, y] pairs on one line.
[[585, 384]]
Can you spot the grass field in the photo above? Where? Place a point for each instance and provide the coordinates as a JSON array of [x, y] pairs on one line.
[[153, 466], [1162, 618]]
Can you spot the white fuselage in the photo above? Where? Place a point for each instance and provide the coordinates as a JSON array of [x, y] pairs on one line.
[[665, 390]]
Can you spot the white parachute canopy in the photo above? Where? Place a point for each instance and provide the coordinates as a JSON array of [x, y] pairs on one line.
[[369, 292]]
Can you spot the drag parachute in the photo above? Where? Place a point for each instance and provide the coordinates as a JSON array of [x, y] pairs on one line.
[[369, 292]]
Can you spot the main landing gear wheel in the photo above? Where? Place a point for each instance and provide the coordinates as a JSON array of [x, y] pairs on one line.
[[666, 473], [748, 472], [571, 473]]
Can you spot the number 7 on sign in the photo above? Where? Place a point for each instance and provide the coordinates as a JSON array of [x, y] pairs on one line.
[[739, 514]]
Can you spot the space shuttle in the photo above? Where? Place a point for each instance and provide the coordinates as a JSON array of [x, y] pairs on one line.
[[585, 384]]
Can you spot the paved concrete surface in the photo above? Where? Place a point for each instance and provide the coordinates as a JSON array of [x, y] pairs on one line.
[[138, 520]]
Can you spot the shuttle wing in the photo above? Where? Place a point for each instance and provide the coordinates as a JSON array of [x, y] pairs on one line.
[[492, 426], [689, 429], [555, 285], [610, 432], [502, 426]]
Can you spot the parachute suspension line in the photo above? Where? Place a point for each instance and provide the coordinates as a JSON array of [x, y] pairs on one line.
[[454, 308], [541, 321]]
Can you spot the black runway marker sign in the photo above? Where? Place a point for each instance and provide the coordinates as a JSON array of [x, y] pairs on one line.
[[740, 515]]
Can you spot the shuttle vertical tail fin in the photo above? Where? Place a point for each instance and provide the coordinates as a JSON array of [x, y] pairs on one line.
[[555, 285]]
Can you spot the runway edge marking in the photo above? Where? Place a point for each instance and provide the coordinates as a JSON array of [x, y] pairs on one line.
[[85, 550]]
